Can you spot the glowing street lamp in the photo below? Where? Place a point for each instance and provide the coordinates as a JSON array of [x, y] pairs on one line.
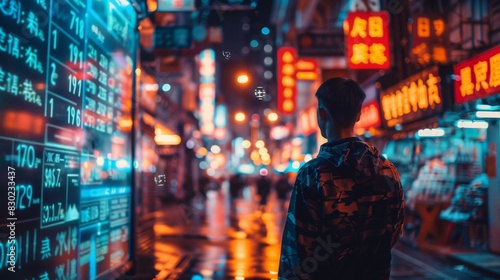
[[240, 116], [272, 117], [243, 79]]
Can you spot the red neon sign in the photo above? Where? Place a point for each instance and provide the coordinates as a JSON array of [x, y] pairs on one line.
[[478, 77], [368, 40], [287, 89], [370, 116]]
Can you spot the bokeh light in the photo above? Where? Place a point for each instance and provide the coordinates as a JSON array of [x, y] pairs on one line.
[[272, 117], [268, 61], [254, 43], [166, 87], [246, 144], [240, 117], [268, 48], [268, 75], [215, 149], [243, 79], [260, 144]]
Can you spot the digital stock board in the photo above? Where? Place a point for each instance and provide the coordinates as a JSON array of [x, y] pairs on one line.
[[66, 74]]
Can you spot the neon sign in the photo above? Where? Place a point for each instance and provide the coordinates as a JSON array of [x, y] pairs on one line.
[[368, 40]]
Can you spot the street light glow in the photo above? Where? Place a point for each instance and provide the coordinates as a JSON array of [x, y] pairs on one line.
[[240, 117], [272, 117], [243, 79], [246, 144], [260, 144]]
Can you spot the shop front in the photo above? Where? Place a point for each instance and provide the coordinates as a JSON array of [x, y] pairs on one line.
[[477, 91], [438, 155]]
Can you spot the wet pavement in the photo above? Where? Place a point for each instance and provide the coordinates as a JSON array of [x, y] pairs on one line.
[[212, 240]]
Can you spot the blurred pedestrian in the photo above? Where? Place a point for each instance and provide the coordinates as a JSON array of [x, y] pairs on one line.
[[236, 184], [347, 206], [204, 185], [283, 187], [263, 189]]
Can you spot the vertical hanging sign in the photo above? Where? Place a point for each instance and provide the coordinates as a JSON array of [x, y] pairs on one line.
[[287, 89], [207, 91]]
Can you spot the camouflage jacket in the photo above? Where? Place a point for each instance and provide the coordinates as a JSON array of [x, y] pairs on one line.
[[345, 214]]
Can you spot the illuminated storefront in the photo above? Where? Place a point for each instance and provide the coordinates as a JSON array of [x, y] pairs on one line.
[[477, 81], [437, 153]]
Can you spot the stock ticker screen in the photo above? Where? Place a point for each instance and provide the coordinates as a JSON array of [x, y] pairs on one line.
[[66, 71]]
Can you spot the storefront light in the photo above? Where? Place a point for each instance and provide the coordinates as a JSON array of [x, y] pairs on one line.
[[488, 114], [434, 132], [100, 161], [472, 124], [167, 139], [122, 164]]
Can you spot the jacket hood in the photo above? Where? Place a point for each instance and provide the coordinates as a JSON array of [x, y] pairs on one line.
[[352, 155]]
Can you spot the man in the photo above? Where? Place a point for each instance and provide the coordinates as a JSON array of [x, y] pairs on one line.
[[346, 210]]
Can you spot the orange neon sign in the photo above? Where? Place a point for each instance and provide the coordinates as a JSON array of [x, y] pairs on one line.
[[307, 69], [287, 89], [412, 99], [368, 40], [428, 39]]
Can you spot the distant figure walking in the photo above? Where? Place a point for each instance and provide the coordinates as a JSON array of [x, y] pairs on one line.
[[236, 184], [283, 188], [263, 189]]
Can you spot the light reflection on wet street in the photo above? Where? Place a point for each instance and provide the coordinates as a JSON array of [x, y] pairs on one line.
[[244, 243]]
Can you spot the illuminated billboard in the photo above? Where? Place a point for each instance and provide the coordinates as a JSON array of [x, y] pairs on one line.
[[65, 136]]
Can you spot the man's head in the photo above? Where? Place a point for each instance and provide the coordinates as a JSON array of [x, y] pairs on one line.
[[339, 106]]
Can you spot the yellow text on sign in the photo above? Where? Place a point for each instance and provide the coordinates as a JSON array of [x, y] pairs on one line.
[[364, 54], [480, 72], [374, 25], [419, 95]]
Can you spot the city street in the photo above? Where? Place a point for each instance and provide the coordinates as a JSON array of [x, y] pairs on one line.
[[245, 244]]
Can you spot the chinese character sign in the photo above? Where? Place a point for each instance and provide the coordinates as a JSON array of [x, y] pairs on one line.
[[287, 89], [368, 40], [478, 77], [429, 39], [415, 98]]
